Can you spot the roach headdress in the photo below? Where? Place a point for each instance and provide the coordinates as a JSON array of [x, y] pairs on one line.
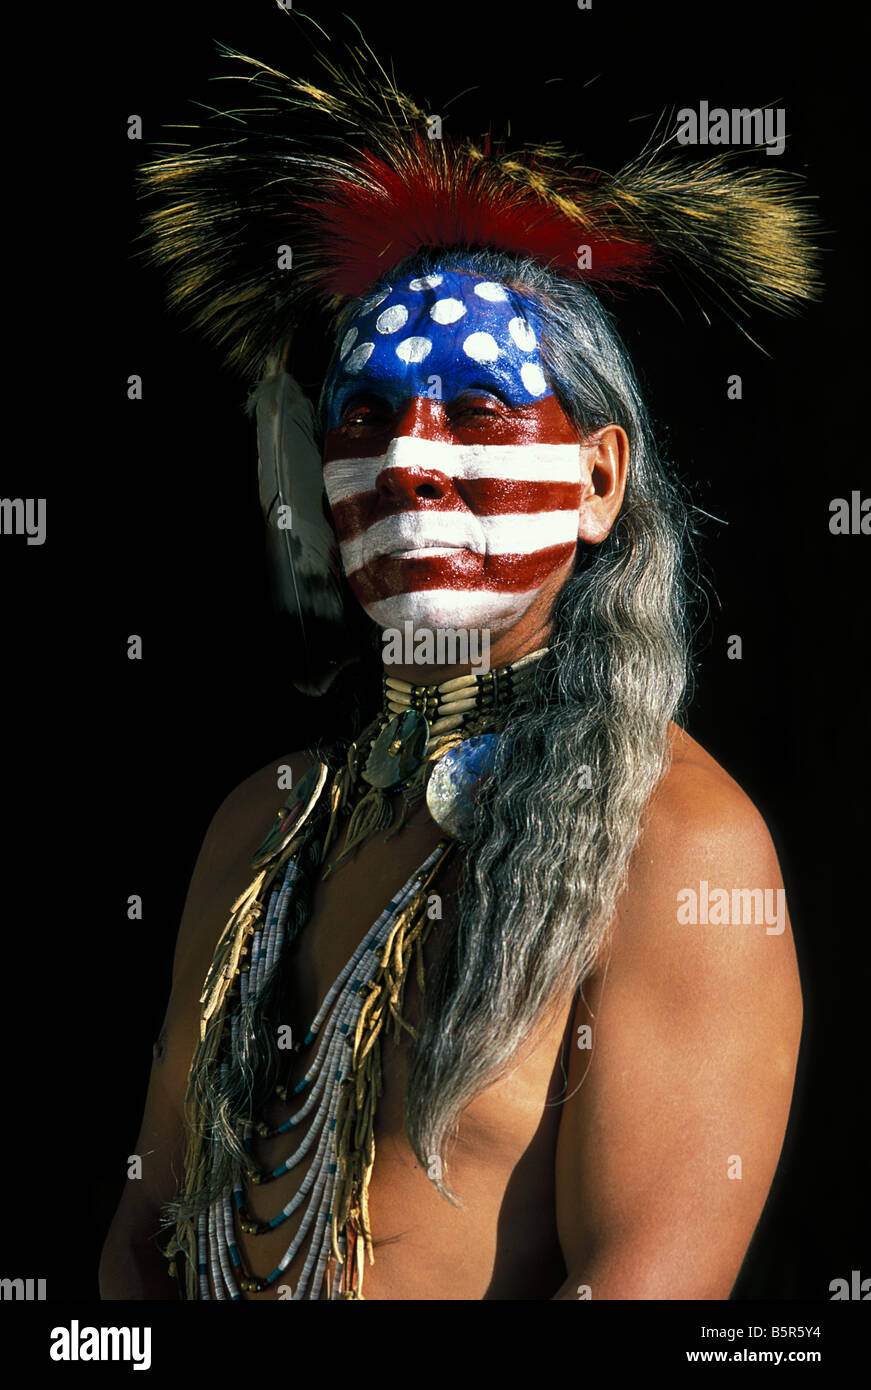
[[302, 198]]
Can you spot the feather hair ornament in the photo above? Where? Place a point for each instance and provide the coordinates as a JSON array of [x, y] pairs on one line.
[[301, 544]]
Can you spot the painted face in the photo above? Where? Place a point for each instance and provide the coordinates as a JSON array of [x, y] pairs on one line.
[[453, 476]]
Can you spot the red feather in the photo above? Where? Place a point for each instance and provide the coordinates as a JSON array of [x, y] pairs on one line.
[[368, 222]]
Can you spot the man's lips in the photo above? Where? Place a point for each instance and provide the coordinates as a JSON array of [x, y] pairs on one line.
[[419, 548]]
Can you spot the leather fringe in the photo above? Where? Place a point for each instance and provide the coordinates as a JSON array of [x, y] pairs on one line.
[[362, 1088]]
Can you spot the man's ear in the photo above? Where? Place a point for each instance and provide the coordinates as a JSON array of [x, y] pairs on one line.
[[604, 467]]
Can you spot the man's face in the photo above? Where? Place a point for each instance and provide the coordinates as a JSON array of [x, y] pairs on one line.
[[453, 476]]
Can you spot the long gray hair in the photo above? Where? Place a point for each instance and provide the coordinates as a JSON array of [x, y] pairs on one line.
[[562, 813]]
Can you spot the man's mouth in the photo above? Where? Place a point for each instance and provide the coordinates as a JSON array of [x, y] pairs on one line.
[[419, 549]]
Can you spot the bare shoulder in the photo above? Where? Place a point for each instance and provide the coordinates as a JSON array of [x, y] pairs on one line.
[[698, 801], [244, 816]]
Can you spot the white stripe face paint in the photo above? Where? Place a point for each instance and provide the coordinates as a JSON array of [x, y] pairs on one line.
[[519, 534], [521, 463], [439, 609]]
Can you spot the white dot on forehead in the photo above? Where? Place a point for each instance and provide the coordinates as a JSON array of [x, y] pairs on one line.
[[373, 301], [488, 289], [348, 342], [447, 310], [413, 349], [533, 378], [425, 282], [481, 347], [359, 357], [522, 334], [392, 318]]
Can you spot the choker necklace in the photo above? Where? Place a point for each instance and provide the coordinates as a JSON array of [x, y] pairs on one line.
[[417, 746]]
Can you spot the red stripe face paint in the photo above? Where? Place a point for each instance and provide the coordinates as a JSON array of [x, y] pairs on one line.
[[452, 507]]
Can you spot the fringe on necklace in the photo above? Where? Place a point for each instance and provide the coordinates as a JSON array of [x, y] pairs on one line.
[[362, 1088], [227, 962]]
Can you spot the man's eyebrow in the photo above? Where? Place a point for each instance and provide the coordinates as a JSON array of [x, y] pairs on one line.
[[357, 397], [342, 404], [488, 388]]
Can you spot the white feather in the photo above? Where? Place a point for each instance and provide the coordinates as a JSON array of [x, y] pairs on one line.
[[290, 474]]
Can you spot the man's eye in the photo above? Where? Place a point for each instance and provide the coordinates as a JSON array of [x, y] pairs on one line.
[[472, 409], [367, 413]]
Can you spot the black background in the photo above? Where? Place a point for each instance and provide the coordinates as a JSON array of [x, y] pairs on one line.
[[113, 768]]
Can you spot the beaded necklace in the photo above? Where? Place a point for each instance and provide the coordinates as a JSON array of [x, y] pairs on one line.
[[340, 1025], [339, 1092]]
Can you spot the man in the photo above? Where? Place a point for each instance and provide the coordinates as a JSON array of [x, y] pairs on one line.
[[591, 1090]]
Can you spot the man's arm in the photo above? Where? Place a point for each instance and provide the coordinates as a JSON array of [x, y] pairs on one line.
[[131, 1265], [676, 1117]]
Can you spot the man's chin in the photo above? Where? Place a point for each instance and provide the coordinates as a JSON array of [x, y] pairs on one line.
[[437, 610]]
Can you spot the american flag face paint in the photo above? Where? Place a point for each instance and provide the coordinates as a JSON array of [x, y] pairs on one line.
[[453, 476]]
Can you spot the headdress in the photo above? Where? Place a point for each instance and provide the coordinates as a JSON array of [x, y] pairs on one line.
[[301, 199]]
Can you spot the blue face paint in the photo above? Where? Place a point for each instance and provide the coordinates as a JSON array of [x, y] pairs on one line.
[[437, 336]]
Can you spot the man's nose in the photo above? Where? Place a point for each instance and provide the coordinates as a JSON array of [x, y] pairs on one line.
[[410, 482], [405, 476]]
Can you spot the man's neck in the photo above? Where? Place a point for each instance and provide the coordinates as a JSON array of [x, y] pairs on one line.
[[504, 648]]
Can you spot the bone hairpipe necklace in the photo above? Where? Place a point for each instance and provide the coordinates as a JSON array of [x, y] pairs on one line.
[[443, 706]]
